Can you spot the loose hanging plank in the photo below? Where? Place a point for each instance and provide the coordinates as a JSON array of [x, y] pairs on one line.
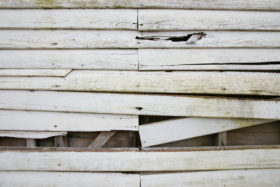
[[178, 4], [191, 106], [65, 179], [34, 72], [240, 83], [101, 139], [237, 178], [74, 59], [30, 134], [58, 121], [185, 128], [44, 160], [71, 39], [153, 19], [209, 59], [69, 19]]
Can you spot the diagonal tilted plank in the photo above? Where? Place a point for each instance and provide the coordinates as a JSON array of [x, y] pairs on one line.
[[185, 128], [101, 139]]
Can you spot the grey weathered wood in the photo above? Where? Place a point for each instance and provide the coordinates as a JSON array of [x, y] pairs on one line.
[[30, 143], [222, 139], [59, 141], [101, 139]]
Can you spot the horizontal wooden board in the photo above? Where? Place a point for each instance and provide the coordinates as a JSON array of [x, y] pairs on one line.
[[65, 179], [74, 59], [58, 121], [240, 83], [209, 59], [139, 161], [192, 106], [30, 134], [152, 19], [69, 19], [187, 4], [237, 178], [179, 129], [34, 72], [71, 39]]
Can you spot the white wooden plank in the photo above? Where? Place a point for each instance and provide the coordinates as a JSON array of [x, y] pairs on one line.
[[237, 178], [185, 128], [30, 134], [69, 19], [66, 179], [51, 39], [245, 83], [153, 19], [186, 4], [209, 59], [74, 59], [192, 106], [34, 72], [267, 158], [58, 121]]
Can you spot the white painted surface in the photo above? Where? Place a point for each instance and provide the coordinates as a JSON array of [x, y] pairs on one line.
[[191, 106], [59, 121], [66, 179], [140, 161], [237, 178], [185, 128], [30, 134], [74, 59], [34, 72]]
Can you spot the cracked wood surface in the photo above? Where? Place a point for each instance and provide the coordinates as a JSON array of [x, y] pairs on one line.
[[34, 72]]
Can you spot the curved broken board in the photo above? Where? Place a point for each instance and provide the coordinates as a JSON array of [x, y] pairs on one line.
[[31, 134], [34, 72], [137, 104]]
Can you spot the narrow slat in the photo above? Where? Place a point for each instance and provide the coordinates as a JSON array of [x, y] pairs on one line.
[[240, 83], [30, 134], [30, 143], [267, 158], [69, 19], [58, 121], [101, 139], [34, 72], [185, 128], [192, 106]]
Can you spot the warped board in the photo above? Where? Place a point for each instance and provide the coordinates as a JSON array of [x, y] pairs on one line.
[[237, 178], [240, 83], [153, 19], [58, 121], [34, 72], [59, 39], [66, 179], [186, 4], [191, 106], [44, 160], [179, 129], [69, 19], [30, 134], [209, 59], [74, 59]]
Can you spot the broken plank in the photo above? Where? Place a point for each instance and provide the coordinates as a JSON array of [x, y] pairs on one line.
[[221, 139], [137, 104], [71, 39], [30, 143], [237, 178], [34, 72], [30, 134], [186, 128], [73, 59], [230, 83], [209, 59], [159, 19], [101, 139], [69, 19], [45, 160], [59, 121], [65, 179]]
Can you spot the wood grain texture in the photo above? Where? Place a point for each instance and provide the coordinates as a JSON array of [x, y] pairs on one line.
[[237, 178], [185, 128], [66, 179], [191, 106], [101, 139], [139, 161], [34, 72], [30, 134], [69, 19], [178, 4], [71, 39], [59, 121], [231, 83], [209, 59], [74, 59], [153, 19]]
